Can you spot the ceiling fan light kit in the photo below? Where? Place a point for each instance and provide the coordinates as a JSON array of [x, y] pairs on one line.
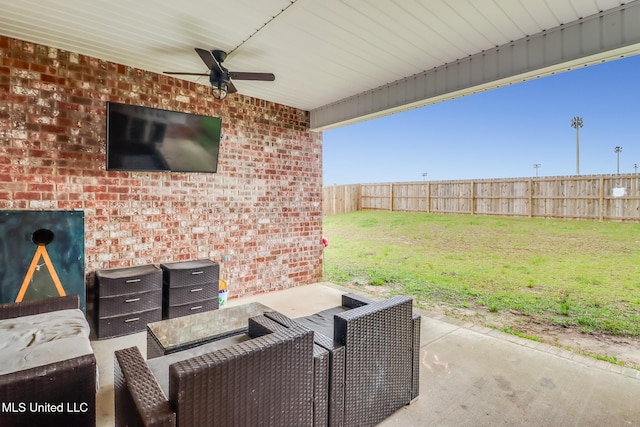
[[219, 91], [220, 84], [219, 76]]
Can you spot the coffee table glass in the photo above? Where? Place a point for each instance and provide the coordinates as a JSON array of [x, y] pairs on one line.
[[180, 333]]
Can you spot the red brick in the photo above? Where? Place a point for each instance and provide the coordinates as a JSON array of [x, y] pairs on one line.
[[27, 195], [247, 210]]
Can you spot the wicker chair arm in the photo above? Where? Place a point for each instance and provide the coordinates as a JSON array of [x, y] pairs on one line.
[[12, 310], [355, 301], [363, 307], [70, 382], [139, 399], [416, 322], [262, 325]]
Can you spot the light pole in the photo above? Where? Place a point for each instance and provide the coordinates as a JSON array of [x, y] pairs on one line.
[[635, 168], [618, 149], [537, 166], [424, 176], [577, 123]]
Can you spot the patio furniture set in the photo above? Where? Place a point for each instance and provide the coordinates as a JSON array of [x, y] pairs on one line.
[[353, 365]]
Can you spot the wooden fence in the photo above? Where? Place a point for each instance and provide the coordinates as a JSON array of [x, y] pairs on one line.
[[592, 197], [341, 199]]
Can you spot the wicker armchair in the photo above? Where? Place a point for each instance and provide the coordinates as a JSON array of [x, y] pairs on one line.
[[326, 385], [70, 383], [263, 381], [374, 357]]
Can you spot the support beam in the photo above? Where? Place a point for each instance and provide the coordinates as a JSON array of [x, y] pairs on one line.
[[609, 35]]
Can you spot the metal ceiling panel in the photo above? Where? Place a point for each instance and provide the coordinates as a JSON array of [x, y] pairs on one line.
[[611, 35], [323, 53]]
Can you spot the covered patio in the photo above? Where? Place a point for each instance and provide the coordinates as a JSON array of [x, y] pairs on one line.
[[469, 375], [260, 214]]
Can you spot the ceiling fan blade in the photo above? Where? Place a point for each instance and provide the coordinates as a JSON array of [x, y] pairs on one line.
[[239, 75], [208, 59], [231, 88], [184, 73]]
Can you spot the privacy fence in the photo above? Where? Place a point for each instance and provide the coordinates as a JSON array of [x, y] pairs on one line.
[[585, 197]]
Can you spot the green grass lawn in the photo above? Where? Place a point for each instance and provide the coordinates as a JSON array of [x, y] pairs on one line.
[[574, 273]]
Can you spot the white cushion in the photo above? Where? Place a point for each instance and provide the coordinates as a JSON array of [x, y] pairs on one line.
[[40, 339]]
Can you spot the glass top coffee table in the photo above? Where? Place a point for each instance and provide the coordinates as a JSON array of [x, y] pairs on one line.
[[181, 333]]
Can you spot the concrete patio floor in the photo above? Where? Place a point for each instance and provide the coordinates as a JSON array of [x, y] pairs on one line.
[[469, 375]]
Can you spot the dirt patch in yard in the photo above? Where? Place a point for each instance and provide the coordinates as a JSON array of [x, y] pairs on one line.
[[615, 349]]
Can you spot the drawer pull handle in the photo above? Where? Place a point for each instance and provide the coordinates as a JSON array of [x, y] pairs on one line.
[[196, 290], [133, 319], [132, 300], [195, 273], [133, 280], [197, 307]]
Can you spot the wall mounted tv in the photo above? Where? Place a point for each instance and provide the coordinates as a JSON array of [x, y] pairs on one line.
[[150, 139]]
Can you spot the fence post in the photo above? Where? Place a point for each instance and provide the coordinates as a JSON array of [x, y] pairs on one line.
[[601, 198], [530, 198], [391, 200], [473, 197]]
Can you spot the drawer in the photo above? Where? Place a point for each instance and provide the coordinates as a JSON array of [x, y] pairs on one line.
[[187, 273], [123, 281], [115, 326], [187, 294], [192, 308], [131, 303]]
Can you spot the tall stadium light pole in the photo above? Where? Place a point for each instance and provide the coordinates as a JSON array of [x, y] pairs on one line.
[[577, 123], [537, 166], [618, 149], [424, 176], [635, 168]]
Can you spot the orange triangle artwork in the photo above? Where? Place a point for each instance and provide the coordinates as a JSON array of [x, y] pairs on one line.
[[44, 280]]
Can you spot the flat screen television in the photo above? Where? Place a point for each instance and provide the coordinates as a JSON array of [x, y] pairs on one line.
[[150, 139]]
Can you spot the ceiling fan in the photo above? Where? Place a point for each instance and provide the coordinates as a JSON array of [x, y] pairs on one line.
[[219, 76]]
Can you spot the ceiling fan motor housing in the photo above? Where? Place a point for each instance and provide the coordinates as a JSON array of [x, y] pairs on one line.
[[221, 76], [220, 55]]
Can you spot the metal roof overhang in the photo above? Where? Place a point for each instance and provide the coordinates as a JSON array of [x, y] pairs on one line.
[[602, 37], [344, 61]]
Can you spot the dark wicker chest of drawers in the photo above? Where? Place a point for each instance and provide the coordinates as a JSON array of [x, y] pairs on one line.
[[127, 299], [189, 287]]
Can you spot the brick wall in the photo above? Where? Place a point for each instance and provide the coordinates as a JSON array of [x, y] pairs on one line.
[[263, 208]]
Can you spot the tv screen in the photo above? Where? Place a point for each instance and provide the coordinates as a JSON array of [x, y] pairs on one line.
[[150, 139]]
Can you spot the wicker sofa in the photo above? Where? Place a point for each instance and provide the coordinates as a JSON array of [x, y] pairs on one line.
[[61, 392], [373, 349], [254, 379]]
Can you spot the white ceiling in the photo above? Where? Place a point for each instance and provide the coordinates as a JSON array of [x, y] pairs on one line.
[[321, 51]]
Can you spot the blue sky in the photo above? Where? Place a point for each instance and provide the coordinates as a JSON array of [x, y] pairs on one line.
[[501, 133]]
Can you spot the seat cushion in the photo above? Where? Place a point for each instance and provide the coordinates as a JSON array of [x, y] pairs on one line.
[[40, 339], [159, 366], [321, 322]]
